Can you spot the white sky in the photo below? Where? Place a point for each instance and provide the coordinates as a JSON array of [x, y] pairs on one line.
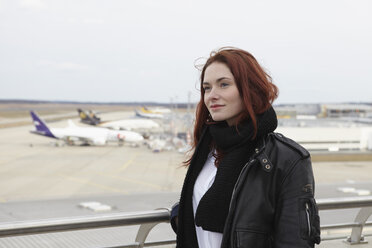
[[145, 50]]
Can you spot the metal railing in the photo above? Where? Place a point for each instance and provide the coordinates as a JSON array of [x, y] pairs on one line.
[[148, 219], [360, 221]]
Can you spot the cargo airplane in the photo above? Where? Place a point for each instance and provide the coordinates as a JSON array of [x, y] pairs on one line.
[[86, 135], [125, 124], [158, 110], [145, 113]]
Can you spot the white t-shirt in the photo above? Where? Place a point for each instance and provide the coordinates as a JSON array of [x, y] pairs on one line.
[[206, 239]]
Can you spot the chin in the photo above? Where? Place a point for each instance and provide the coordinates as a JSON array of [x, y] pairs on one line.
[[218, 118]]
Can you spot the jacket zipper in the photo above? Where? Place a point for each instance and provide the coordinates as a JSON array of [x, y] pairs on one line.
[[237, 181], [308, 218], [248, 164]]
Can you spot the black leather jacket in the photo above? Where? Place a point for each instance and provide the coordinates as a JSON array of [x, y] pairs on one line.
[[273, 203]]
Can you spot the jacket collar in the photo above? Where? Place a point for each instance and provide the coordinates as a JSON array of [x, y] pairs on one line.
[[261, 155]]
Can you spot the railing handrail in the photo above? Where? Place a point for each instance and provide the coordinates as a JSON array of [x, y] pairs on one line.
[[344, 202], [83, 222]]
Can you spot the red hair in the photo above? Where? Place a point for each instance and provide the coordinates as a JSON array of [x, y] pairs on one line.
[[254, 84]]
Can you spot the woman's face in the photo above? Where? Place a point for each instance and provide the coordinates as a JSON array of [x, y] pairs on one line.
[[221, 95]]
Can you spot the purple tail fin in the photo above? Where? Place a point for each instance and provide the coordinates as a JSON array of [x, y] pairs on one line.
[[41, 127]]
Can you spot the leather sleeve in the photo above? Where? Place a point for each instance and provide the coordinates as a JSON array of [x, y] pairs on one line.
[[296, 218], [174, 216]]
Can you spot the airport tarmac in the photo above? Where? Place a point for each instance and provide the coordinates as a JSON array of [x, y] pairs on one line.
[[41, 180], [32, 168]]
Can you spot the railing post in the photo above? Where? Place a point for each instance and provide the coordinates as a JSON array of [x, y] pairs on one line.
[[143, 231], [356, 233]]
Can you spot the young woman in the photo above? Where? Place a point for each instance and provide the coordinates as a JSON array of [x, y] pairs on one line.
[[245, 185]]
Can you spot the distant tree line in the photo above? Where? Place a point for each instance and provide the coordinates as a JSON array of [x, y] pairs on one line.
[[168, 105]]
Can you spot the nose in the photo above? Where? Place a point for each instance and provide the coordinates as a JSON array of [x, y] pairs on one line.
[[213, 94]]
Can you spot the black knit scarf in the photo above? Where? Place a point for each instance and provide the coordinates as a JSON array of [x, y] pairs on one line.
[[237, 146]]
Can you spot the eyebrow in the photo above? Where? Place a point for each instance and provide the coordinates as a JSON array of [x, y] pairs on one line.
[[218, 80]]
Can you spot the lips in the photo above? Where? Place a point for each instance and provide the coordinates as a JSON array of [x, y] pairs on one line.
[[216, 106]]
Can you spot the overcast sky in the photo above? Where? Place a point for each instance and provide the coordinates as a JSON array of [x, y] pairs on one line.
[[145, 50]]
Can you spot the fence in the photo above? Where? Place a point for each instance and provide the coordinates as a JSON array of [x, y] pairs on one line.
[[148, 219]]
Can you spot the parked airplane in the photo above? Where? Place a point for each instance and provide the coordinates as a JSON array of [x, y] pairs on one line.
[[144, 113], [125, 124], [158, 110], [88, 118], [86, 135]]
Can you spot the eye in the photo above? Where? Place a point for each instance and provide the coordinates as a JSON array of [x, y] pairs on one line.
[[224, 84], [206, 88]]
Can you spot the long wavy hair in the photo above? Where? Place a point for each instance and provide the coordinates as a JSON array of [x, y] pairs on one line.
[[254, 84]]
